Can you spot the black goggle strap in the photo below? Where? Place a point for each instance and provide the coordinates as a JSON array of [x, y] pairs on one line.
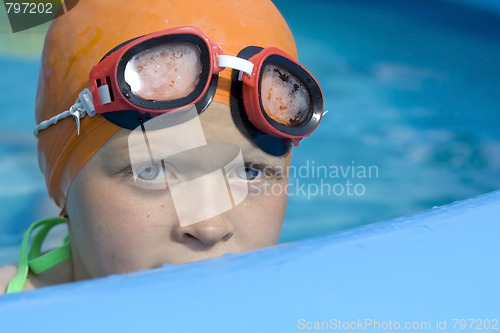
[[269, 144]]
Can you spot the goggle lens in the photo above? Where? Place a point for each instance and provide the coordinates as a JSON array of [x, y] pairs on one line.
[[283, 96], [164, 72]]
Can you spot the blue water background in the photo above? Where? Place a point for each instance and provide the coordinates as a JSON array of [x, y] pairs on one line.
[[412, 89]]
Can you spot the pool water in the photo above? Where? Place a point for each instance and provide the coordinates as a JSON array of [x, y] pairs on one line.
[[413, 100], [412, 88]]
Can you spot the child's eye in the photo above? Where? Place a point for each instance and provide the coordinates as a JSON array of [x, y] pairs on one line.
[[250, 172], [152, 175], [148, 172]]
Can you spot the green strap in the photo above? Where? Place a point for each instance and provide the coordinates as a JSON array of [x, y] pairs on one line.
[[34, 260]]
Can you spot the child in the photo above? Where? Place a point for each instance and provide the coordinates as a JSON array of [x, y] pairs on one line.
[[171, 156]]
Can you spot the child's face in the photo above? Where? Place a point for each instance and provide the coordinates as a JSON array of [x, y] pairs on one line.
[[117, 226]]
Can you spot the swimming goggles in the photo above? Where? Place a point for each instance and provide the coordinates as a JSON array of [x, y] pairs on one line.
[[167, 70]]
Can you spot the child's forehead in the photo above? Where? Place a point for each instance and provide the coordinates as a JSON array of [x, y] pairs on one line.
[[217, 126]]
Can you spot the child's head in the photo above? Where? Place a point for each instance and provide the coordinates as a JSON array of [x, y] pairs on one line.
[[118, 220]]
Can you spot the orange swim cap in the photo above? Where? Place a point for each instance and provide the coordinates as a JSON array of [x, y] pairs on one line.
[[76, 41]]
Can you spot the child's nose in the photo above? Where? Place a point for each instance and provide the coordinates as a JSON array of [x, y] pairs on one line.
[[206, 233]]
